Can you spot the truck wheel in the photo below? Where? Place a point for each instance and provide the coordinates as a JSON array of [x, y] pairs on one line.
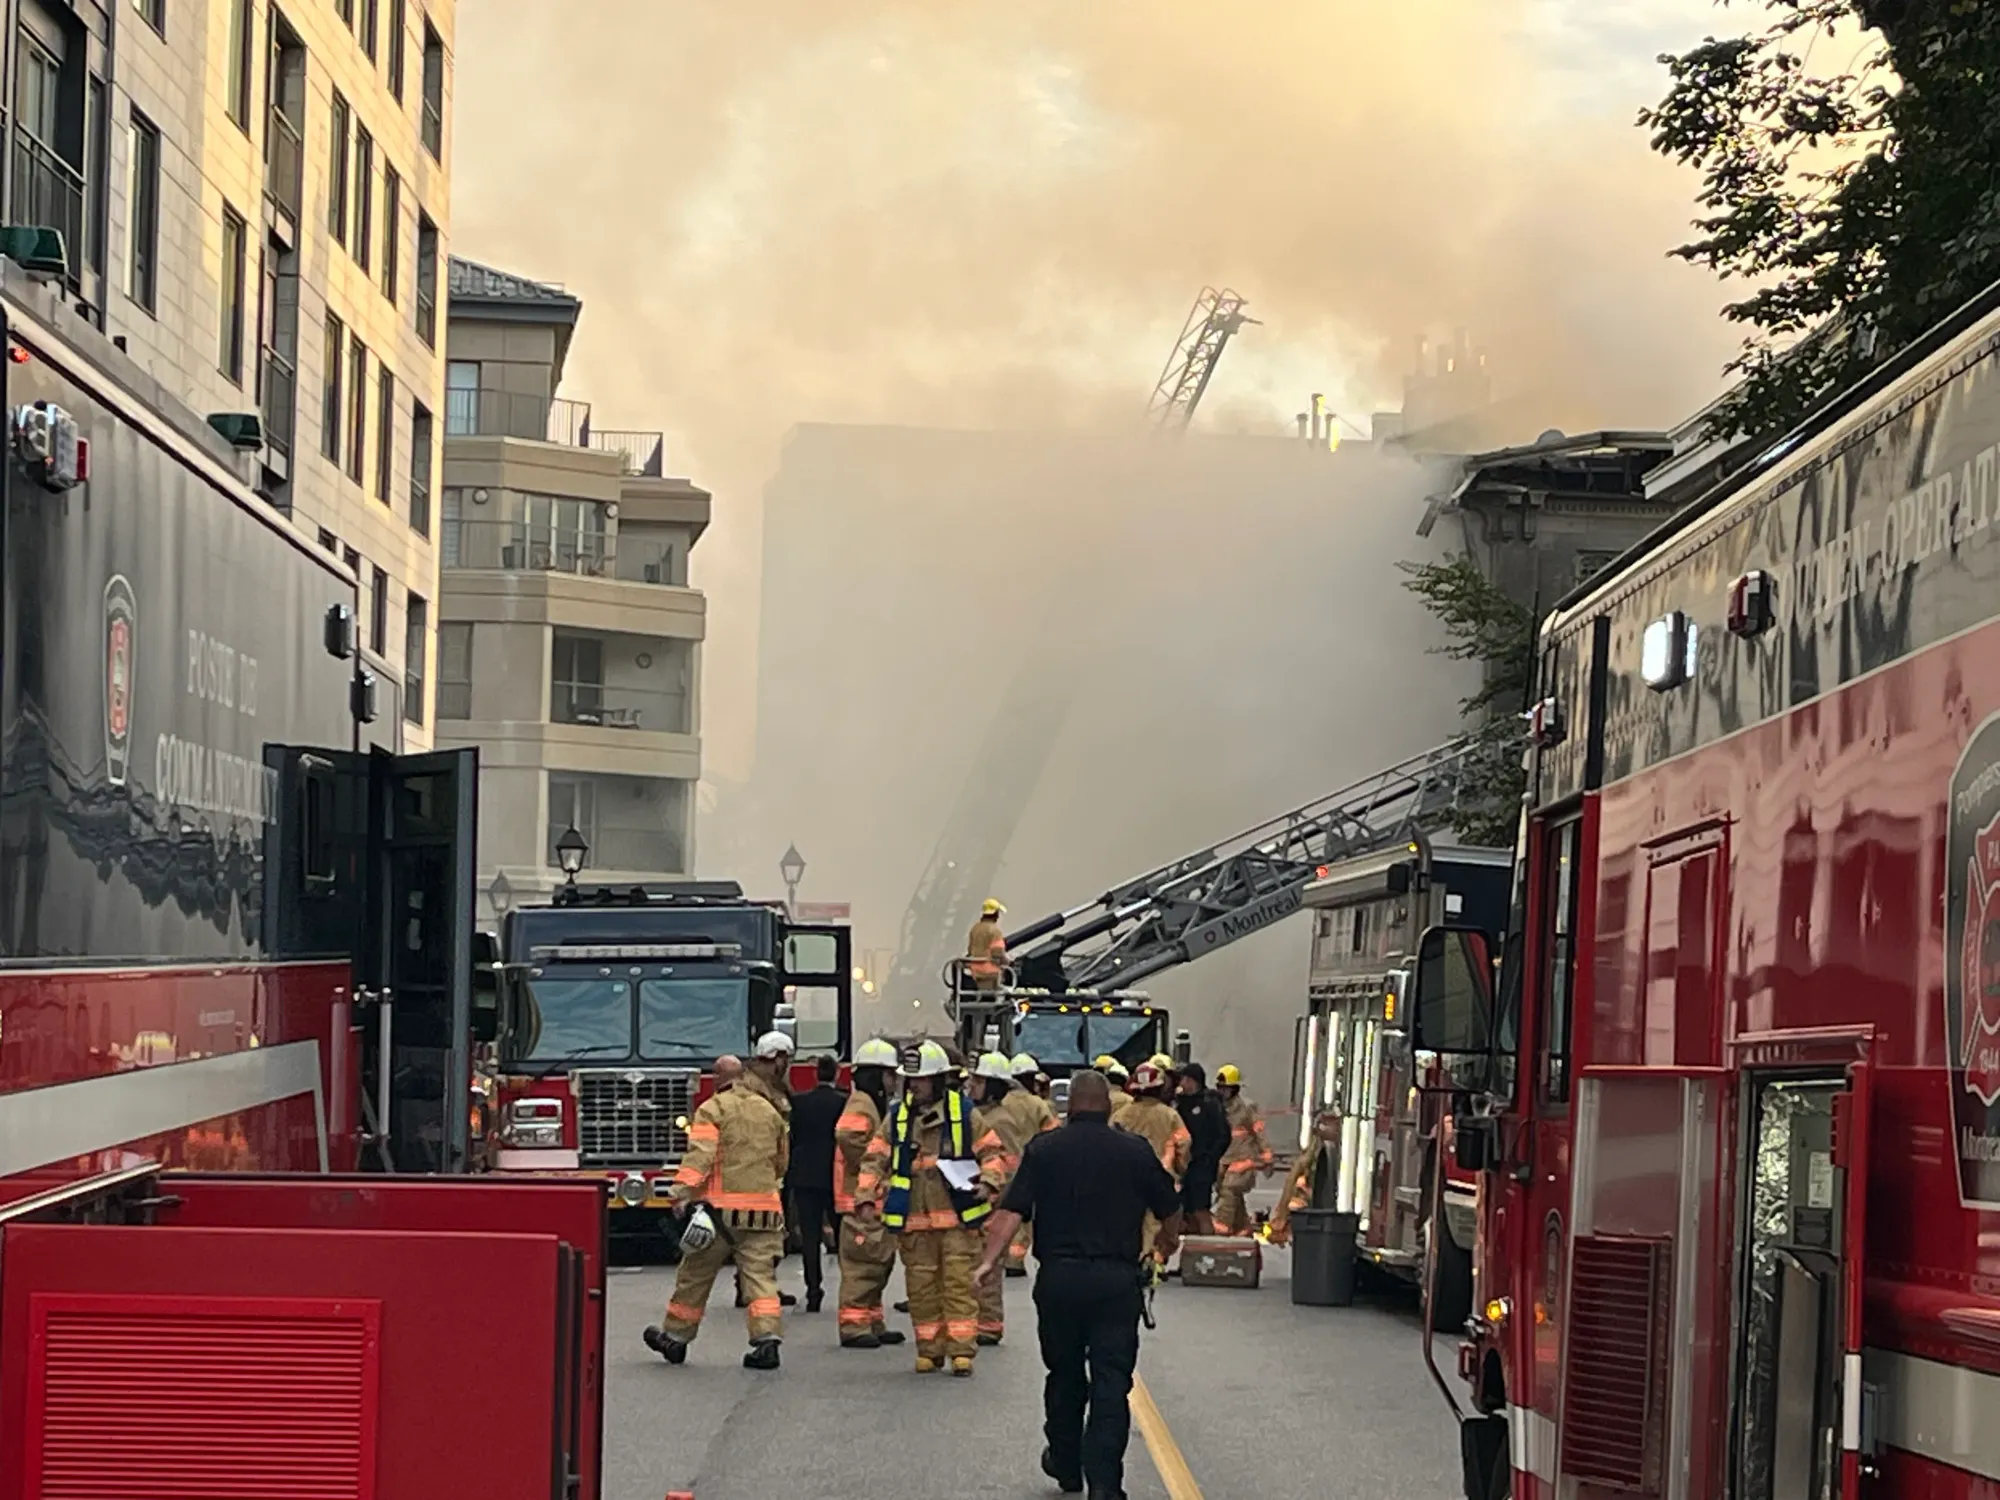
[[1452, 1297]]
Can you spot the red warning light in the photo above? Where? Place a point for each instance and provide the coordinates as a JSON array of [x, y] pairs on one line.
[[82, 460], [17, 354], [1320, 873]]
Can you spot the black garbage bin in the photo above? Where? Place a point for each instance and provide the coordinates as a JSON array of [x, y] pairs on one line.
[[1323, 1257]]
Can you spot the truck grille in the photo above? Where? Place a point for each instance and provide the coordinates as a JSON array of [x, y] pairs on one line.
[[625, 1116]]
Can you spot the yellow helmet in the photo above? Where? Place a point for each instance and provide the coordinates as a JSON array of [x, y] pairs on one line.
[[991, 908], [1103, 1061], [1229, 1076], [1115, 1071], [1161, 1061]]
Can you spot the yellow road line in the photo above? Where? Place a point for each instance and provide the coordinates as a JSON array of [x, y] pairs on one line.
[[1167, 1461]]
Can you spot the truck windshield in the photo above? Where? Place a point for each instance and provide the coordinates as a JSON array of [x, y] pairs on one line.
[[693, 1020], [1055, 1041], [579, 1018], [1130, 1039]]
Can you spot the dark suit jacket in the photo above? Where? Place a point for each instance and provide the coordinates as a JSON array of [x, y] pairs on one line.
[[813, 1117]]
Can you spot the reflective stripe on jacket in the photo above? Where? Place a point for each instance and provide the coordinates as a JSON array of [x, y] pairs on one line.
[[1160, 1123], [1248, 1151], [904, 1157], [852, 1132], [738, 1146]]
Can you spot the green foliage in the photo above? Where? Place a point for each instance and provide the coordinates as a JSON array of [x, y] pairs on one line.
[[1483, 625], [1861, 202]]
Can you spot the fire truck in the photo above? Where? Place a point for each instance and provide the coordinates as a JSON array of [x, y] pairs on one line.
[[236, 967], [617, 1003], [1734, 1104]]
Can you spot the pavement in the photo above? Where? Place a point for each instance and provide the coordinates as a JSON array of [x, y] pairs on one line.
[[1258, 1398]]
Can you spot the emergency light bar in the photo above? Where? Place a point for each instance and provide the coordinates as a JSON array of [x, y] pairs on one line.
[[597, 952]]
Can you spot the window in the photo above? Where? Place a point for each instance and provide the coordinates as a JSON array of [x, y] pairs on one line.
[[327, 539], [235, 269], [454, 671], [357, 408], [346, 9], [97, 151], [142, 270], [154, 12], [241, 51], [330, 404], [433, 107], [336, 172], [392, 230], [576, 679], [285, 120], [399, 25], [278, 351], [1560, 885], [416, 648], [378, 614], [371, 26], [364, 197], [427, 280], [385, 433], [421, 439], [461, 398], [572, 804]]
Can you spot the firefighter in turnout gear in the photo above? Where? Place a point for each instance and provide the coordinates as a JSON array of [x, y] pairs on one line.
[[731, 1178], [1150, 1115], [985, 947], [936, 1220], [1034, 1114], [1248, 1156], [1304, 1180], [999, 1124], [867, 1253], [1115, 1074]]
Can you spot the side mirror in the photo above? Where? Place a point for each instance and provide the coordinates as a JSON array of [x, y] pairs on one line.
[[786, 1020], [1451, 1010], [486, 987], [1183, 1053]]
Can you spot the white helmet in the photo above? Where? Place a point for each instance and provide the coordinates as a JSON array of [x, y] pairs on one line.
[[774, 1044], [930, 1062], [699, 1231], [876, 1053], [1024, 1065], [994, 1065]]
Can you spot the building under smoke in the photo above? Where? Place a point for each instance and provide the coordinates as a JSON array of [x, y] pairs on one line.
[[1152, 642]]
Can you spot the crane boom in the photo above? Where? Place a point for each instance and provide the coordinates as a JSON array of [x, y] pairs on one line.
[[1214, 896], [1214, 320]]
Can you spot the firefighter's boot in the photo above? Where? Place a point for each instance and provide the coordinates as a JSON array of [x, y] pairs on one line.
[[927, 1365], [672, 1350], [867, 1340], [888, 1335], [763, 1355], [961, 1364]]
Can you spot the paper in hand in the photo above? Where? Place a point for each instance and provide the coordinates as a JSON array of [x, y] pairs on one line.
[[963, 1175]]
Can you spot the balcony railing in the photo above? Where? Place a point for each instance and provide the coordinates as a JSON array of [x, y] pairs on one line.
[[519, 547], [284, 164], [618, 707], [642, 455], [491, 413], [280, 401], [48, 192]]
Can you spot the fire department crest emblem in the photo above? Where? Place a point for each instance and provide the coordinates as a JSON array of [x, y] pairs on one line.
[[121, 640], [1972, 964]]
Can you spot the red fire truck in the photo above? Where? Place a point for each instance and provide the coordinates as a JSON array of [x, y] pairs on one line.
[[1735, 1107], [617, 1003], [235, 966]]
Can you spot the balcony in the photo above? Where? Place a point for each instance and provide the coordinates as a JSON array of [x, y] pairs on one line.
[[284, 165], [641, 455], [521, 547], [280, 403], [512, 414], [595, 704], [48, 192]]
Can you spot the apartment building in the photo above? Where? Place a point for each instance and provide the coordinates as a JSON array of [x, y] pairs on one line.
[[569, 638], [254, 199]]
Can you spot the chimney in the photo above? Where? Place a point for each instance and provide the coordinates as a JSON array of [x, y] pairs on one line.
[[1305, 422], [1319, 417]]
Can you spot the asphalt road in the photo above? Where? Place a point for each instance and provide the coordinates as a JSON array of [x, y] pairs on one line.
[[1262, 1399]]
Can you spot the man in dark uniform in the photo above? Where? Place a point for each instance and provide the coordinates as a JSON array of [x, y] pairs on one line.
[[1087, 1189], [809, 1177]]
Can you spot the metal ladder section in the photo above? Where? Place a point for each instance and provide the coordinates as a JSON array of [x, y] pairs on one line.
[[1211, 898]]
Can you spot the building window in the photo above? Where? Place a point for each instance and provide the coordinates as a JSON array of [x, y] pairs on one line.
[[235, 270], [327, 539], [154, 13], [142, 268], [336, 171], [371, 26], [421, 438], [385, 434], [330, 404], [392, 230], [97, 151], [461, 398], [285, 120], [454, 671], [451, 541], [278, 354], [242, 50], [364, 197], [433, 109], [357, 408], [576, 680], [399, 25], [572, 804], [427, 279], [416, 647], [346, 9], [378, 614]]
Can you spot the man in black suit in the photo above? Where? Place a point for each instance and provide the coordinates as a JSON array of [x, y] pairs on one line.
[[809, 1177]]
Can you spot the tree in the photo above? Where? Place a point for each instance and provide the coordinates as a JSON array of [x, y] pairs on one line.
[[1862, 203], [1482, 624]]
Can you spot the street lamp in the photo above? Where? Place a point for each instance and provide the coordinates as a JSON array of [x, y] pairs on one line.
[[570, 852], [792, 869], [500, 894]]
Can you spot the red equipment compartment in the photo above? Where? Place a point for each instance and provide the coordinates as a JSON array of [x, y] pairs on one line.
[[255, 1305]]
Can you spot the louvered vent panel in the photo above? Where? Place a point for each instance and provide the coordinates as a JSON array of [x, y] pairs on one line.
[[200, 1400], [1614, 1391]]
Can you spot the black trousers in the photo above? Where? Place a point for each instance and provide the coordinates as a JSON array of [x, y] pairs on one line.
[[1088, 1321], [812, 1212]]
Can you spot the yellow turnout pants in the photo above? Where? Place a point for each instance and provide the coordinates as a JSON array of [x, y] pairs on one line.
[[937, 1273], [992, 1309], [756, 1253], [1232, 1214], [867, 1256]]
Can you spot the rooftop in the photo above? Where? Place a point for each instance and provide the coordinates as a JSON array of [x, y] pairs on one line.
[[470, 281]]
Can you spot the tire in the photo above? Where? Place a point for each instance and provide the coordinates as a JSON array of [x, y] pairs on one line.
[[1452, 1299]]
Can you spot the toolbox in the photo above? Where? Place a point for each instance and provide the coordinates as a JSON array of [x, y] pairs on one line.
[[1221, 1260]]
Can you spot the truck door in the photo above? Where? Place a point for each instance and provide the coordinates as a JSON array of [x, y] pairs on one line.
[[819, 981]]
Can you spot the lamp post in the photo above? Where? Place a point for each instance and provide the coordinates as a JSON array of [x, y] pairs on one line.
[[500, 894], [571, 850], [792, 869]]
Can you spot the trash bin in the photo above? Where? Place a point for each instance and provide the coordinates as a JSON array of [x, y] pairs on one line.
[[1323, 1257]]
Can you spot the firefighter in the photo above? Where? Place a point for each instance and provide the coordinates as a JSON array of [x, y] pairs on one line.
[[935, 1222], [775, 1083], [1299, 1187], [1249, 1152], [1150, 1115], [986, 947], [867, 1254], [1030, 1103], [999, 1123], [731, 1180], [1115, 1074]]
